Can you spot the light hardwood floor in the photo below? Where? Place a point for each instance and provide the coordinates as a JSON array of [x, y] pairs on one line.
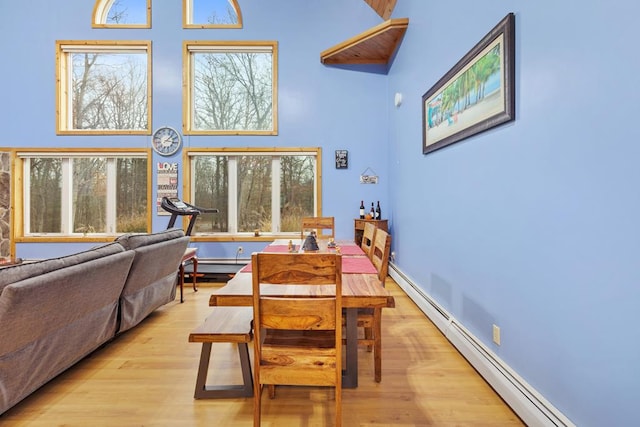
[[146, 377]]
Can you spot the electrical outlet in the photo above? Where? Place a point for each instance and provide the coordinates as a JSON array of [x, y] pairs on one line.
[[496, 334], [240, 250]]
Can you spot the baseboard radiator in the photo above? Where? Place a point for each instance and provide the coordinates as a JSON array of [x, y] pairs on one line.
[[525, 401]]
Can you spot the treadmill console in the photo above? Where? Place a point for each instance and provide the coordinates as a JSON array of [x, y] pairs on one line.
[[175, 204]]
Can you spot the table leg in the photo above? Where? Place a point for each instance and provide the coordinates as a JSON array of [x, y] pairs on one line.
[[350, 374]]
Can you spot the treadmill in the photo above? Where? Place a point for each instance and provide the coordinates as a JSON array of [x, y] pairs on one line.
[[177, 207], [209, 271]]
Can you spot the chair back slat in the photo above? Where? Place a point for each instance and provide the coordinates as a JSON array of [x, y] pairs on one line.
[[301, 314], [380, 253], [301, 268], [324, 226], [367, 238]]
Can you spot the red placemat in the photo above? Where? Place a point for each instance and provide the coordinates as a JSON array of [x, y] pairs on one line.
[[351, 250], [357, 265]]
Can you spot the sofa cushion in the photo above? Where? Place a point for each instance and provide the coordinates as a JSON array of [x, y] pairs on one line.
[[152, 278], [51, 321], [133, 241], [24, 271]]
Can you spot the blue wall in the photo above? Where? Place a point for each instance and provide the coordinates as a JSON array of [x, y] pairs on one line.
[[530, 226], [533, 225], [318, 106]]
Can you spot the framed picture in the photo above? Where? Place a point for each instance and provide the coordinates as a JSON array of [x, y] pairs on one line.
[[477, 94], [342, 159]]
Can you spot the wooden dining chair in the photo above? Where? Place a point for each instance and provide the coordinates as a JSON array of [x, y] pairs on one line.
[[324, 226], [367, 238], [297, 335], [380, 253], [370, 319]]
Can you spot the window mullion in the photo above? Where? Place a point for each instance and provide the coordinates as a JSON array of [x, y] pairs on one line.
[[66, 207], [111, 207], [233, 194], [315, 186], [68, 61], [26, 196], [275, 195]]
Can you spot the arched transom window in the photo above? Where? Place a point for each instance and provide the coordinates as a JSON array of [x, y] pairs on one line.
[[211, 14], [122, 14]]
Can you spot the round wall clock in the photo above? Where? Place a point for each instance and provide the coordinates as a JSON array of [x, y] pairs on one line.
[[166, 141]]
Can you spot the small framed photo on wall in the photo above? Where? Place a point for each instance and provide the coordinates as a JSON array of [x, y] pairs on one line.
[[342, 159]]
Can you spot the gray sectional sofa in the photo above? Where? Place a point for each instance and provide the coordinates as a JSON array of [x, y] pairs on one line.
[[56, 311]]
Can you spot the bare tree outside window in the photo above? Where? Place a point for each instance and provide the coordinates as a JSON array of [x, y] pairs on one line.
[[297, 182], [118, 13], [212, 14], [255, 196], [254, 193], [131, 196], [233, 91], [90, 182], [122, 14], [212, 191], [109, 91], [216, 12], [89, 195], [45, 193]]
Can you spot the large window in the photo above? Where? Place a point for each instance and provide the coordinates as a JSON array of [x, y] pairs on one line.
[[268, 190], [231, 88], [103, 87], [84, 193]]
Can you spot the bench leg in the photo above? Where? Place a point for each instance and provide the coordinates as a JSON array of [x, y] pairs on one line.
[[203, 391], [194, 261]]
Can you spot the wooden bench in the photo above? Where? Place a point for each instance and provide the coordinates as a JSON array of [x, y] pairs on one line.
[[229, 325]]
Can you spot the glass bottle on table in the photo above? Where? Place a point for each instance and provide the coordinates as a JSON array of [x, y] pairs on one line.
[[378, 211], [361, 209], [372, 212]]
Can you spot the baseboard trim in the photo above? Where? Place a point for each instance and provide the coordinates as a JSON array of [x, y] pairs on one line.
[[525, 401]]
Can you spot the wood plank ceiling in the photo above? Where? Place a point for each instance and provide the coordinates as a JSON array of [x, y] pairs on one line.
[[384, 8]]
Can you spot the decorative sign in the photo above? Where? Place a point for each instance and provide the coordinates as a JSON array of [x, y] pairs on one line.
[[342, 159], [167, 175], [368, 179]]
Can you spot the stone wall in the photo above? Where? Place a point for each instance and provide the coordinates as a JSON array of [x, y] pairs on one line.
[[5, 200]]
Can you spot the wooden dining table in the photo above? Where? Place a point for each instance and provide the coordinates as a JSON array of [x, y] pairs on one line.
[[361, 288]]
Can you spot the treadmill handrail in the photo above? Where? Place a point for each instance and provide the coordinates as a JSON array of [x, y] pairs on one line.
[[191, 210]]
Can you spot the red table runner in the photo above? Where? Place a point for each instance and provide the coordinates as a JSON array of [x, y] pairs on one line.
[[351, 249], [345, 249], [276, 248]]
